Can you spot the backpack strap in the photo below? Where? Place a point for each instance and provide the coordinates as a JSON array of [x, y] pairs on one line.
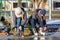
[[22, 10]]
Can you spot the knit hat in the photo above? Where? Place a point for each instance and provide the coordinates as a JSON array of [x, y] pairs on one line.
[[43, 12]]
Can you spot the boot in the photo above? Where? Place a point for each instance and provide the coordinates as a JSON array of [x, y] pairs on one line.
[[44, 28], [41, 32], [17, 32], [22, 34], [34, 31]]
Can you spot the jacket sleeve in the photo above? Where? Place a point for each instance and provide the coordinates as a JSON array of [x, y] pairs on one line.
[[34, 15]]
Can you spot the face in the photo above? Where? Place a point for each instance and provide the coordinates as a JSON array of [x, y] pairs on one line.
[[39, 14]]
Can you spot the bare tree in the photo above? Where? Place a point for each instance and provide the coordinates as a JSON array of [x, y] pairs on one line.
[[38, 2], [19, 2], [43, 3]]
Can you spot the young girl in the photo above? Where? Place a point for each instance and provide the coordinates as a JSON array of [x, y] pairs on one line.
[[42, 21], [38, 17], [20, 20]]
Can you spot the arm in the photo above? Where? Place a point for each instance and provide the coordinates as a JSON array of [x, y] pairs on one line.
[[19, 15], [25, 19], [22, 17]]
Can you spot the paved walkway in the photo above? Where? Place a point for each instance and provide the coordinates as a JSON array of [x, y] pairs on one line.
[[52, 36]]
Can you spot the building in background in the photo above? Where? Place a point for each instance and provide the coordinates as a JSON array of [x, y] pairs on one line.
[[56, 5], [9, 4], [27, 4]]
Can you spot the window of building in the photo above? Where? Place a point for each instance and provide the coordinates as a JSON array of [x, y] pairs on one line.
[[31, 5], [15, 5], [25, 5], [56, 4]]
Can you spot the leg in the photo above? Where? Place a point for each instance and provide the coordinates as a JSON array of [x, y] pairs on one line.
[[33, 26], [40, 27], [45, 27], [40, 24], [32, 23], [21, 30], [18, 23], [22, 34]]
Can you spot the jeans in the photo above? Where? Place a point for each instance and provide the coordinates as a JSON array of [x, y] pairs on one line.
[[39, 22], [32, 23], [19, 23]]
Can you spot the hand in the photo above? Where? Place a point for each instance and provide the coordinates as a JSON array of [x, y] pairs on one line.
[[40, 28], [20, 28], [23, 20], [45, 28]]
